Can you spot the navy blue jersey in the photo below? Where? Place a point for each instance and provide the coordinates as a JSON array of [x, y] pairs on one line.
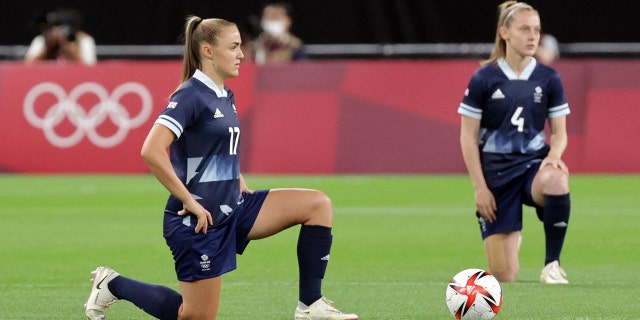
[[513, 111], [205, 152]]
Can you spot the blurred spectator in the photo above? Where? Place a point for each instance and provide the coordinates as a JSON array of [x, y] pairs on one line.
[[276, 44], [61, 38], [548, 49], [249, 29]]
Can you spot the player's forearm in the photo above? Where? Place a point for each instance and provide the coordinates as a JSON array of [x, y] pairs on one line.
[[559, 138], [558, 144], [471, 156], [160, 166], [475, 172]]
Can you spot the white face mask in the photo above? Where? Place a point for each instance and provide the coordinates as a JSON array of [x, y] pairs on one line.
[[273, 28]]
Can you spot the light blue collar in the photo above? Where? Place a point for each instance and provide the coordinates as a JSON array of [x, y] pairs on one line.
[[511, 75], [209, 83]]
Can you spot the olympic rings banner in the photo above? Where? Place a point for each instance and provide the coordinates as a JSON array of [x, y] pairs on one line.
[[68, 118]]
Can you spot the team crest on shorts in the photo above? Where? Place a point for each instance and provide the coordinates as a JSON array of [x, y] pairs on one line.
[[205, 264]]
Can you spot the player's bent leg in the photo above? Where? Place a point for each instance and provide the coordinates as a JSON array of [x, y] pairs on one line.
[[284, 208], [550, 190], [200, 299], [502, 255]]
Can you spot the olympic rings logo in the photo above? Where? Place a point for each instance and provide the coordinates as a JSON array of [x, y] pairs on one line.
[[86, 123]]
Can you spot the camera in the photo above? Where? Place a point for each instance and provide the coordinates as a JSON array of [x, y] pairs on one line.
[[67, 32], [67, 21]]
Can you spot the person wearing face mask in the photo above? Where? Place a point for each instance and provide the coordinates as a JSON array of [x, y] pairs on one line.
[[548, 49], [276, 44]]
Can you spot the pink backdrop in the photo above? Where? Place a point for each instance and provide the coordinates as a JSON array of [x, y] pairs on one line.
[[313, 117]]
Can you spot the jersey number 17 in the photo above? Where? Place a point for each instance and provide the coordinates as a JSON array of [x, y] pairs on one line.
[[234, 138]]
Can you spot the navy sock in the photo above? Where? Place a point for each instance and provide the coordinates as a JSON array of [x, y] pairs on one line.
[[314, 244], [556, 221], [158, 301]]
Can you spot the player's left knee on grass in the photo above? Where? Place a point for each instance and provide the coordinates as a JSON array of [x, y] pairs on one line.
[[505, 276], [502, 271]]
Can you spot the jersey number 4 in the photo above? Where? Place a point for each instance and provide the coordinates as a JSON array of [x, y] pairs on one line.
[[234, 138], [517, 120]]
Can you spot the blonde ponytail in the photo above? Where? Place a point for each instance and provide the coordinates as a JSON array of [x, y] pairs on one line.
[[505, 16], [197, 31]]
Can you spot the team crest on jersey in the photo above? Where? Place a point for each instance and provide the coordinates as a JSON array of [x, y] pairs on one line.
[[537, 95], [218, 114], [172, 105]]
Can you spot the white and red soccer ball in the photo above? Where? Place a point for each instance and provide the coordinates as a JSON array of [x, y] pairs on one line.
[[474, 294]]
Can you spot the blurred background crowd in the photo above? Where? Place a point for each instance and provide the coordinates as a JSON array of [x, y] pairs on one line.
[[321, 25]]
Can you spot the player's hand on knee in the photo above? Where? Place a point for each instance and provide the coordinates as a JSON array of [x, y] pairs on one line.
[[554, 163]]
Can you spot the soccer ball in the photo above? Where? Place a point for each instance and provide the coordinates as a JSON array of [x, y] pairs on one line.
[[474, 294]]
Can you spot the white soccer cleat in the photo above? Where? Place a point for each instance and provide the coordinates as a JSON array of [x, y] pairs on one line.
[[322, 309], [552, 273], [100, 297]]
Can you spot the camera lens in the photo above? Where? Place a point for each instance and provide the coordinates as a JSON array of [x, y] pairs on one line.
[[67, 33]]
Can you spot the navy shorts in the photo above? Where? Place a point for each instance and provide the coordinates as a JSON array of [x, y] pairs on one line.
[[509, 199], [200, 256]]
